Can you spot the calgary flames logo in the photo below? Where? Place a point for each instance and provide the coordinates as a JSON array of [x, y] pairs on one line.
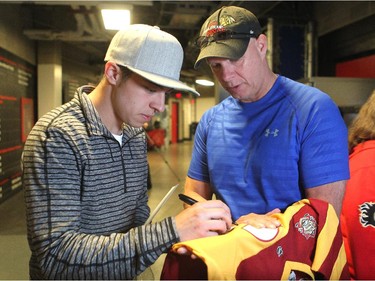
[[307, 226], [367, 214]]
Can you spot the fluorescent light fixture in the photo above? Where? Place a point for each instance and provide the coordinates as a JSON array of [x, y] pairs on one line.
[[204, 82], [115, 19]]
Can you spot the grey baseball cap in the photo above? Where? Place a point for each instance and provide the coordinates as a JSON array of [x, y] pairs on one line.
[[226, 33], [151, 53]]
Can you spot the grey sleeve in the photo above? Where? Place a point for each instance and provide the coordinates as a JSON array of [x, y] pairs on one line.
[[65, 247]]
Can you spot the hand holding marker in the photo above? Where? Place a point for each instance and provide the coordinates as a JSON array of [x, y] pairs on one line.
[[191, 201]]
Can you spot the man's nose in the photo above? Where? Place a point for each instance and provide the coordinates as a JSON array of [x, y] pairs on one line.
[[158, 102], [226, 72]]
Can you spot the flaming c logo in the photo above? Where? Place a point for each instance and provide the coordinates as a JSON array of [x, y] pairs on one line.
[[367, 214]]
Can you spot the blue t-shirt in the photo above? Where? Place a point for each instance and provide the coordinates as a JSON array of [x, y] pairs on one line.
[[262, 155]]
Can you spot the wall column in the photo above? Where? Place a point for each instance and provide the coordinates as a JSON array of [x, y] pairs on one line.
[[49, 93]]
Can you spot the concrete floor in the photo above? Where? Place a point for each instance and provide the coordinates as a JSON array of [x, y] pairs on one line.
[[168, 167]]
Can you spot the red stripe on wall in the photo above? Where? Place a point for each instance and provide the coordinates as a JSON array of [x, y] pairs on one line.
[[360, 68]]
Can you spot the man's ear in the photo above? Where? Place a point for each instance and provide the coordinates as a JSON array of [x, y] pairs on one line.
[[262, 44], [113, 73]]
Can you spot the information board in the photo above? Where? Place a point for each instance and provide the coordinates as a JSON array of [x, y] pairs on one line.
[[17, 117]]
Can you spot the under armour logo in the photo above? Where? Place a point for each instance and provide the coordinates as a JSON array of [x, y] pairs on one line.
[[269, 132]]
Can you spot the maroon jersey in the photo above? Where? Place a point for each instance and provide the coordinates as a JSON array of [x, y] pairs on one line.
[[307, 245]]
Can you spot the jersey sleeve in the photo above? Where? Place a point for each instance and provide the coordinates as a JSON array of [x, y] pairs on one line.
[[307, 246]]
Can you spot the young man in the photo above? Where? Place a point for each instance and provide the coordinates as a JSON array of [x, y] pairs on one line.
[[85, 170], [273, 141]]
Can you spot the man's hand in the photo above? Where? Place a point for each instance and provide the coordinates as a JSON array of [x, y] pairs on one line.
[[261, 221], [203, 219]]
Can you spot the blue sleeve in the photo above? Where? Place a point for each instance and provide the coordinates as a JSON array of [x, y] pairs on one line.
[[198, 169], [324, 149]]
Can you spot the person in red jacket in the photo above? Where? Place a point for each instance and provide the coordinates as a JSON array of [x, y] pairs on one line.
[[156, 136], [358, 209]]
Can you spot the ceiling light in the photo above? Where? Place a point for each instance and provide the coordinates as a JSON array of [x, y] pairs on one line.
[[115, 19], [204, 82]]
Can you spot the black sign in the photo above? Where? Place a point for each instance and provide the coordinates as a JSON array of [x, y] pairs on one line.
[[17, 107]]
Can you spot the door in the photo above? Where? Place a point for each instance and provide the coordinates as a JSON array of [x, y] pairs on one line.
[[174, 125]]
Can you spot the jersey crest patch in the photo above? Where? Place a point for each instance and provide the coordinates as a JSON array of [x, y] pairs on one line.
[[367, 214], [307, 226]]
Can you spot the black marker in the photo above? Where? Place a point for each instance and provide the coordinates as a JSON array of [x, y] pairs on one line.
[[190, 201], [186, 199]]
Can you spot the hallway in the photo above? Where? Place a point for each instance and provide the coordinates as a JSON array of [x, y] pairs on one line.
[[168, 167]]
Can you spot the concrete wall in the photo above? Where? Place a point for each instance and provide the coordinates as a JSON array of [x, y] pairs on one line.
[[333, 15], [12, 39]]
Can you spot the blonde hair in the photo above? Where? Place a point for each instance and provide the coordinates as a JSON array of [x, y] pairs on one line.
[[363, 127]]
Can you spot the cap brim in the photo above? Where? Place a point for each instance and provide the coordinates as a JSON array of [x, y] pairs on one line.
[[230, 49], [163, 81]]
